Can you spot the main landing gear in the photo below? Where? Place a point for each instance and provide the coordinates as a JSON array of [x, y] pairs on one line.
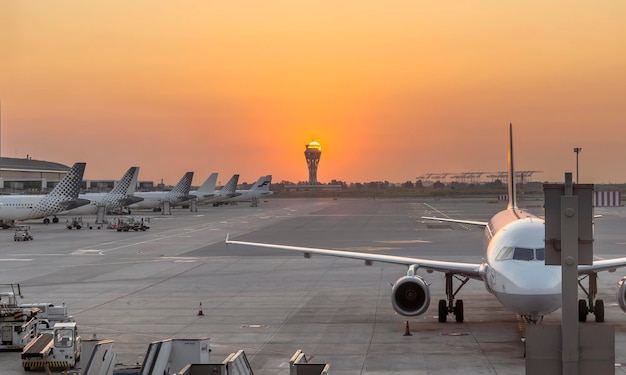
[[595, 306], [47, 220], [449, 306]]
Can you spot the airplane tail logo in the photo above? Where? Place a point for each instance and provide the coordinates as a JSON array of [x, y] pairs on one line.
[[182, 187], [124, 185], [69, 186], [263, 184], [231, 186], [64, 194], [123, 191]]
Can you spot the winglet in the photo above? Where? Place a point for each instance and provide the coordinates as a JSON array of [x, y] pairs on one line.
[[226, 241]]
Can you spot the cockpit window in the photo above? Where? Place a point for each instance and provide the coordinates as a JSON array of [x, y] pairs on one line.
[[522, 253], [540, 254], [505, 253]]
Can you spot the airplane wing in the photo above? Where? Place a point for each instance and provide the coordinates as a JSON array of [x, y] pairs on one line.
[[74, 203], [205, 196], [602, 265], [128, 200], [472, 270], [471, 222]]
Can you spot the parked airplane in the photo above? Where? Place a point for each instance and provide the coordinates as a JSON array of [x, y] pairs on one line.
[[261, 188], [155, 199], [119, 197], [514, 269], [206, 190], [227, 191], [63, 196]]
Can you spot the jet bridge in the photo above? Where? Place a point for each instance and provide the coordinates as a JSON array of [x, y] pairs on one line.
[[100, 356], [237, 364], [169, 356]]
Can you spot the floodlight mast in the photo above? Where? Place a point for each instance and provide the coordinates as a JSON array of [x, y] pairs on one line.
[[577, 150]]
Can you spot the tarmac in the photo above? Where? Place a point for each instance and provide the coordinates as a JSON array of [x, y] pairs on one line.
[[139, 287]]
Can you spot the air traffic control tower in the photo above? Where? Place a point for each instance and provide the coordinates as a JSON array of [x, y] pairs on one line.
[[312, 153]]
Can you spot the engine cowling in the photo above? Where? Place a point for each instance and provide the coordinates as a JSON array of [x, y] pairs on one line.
[[621, 293], [410, 296]]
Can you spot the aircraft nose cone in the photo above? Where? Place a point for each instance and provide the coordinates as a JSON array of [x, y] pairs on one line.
[[545, 279]]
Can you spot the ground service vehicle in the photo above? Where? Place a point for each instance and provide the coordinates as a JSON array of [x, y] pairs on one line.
[[57, 347], [22, 233], [20, 323], [76, 222]]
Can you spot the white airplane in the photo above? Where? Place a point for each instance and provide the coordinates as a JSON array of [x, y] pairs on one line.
[[514, 269], [261, 188], [227, 191], [64, 196], [155, 199], [119, 197], [207, 190]]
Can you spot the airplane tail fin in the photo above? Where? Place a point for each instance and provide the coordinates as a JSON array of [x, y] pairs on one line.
[[511, 179], [132, 186], [208, 187], [263, 183], [125, 184], [69, 186], [231, 186], [183, 186]]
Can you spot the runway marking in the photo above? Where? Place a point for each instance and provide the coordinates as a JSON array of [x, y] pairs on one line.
[[453, 334], [159, 238], [15, 260], [182, 259], [88, 252], [404, 241]]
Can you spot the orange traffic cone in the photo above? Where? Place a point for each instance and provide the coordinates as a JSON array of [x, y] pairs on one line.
[[200, 313], [407, 331]]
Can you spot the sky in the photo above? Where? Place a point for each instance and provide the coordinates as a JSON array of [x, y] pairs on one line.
[[391, 90]]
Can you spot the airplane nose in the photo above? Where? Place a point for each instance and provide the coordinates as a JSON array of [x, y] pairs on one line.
[[545, 279]]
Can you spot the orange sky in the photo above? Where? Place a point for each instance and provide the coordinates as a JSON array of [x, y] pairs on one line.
[[390, 90]]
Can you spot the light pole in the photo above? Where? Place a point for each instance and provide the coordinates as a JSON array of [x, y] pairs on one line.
[[577, 150]]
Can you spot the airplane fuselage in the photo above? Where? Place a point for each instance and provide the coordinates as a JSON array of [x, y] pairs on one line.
[[96, 200], [515, 271], [248, 195], [154, 199], [15, 207]]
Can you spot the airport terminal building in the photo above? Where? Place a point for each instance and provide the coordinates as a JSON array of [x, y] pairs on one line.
[[26, 175]]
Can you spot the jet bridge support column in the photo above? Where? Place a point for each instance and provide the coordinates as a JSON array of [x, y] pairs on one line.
[[166, 209], [569, 279], [193, 206], [569, 348], [100, 215]]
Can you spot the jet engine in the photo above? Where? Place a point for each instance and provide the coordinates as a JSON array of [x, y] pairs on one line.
[[621, 293], [410, 296]]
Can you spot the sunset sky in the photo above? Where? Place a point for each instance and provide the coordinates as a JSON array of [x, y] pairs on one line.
[[391, 90]]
